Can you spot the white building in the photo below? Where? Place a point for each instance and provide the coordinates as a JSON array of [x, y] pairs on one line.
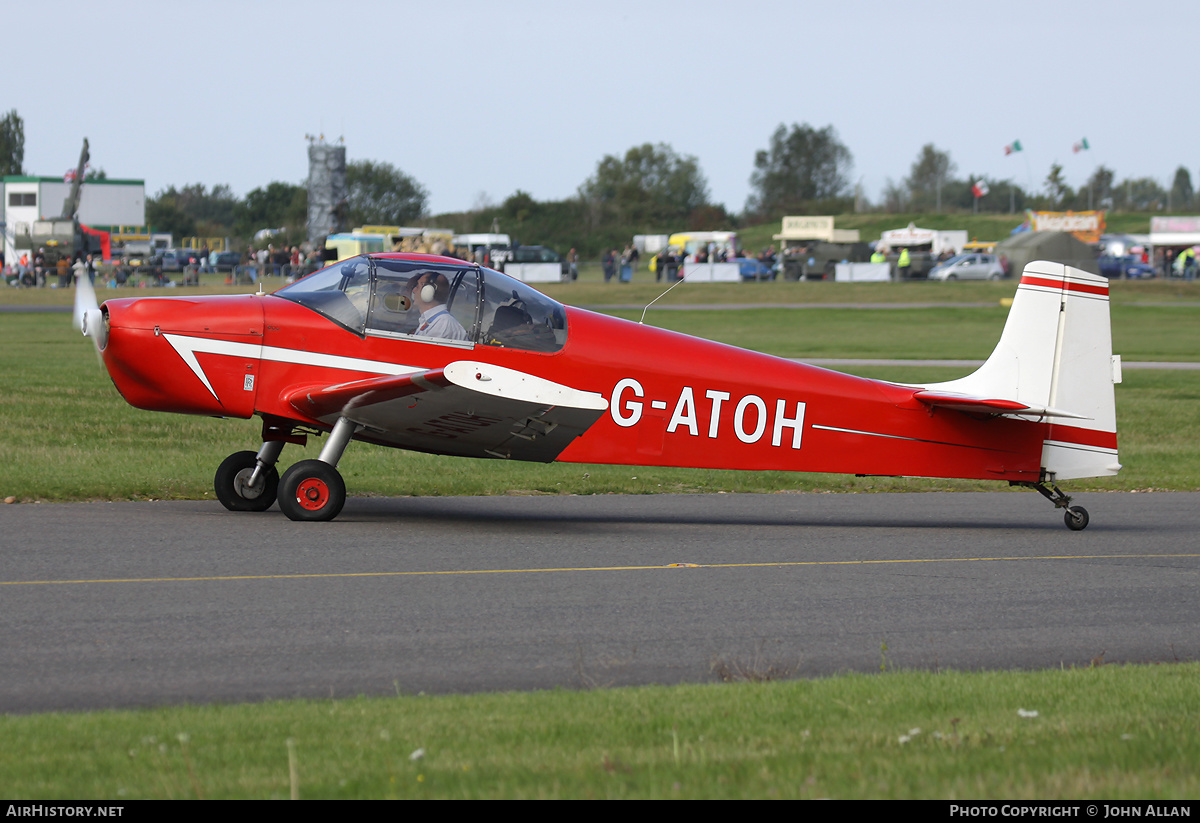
[[103, 204]]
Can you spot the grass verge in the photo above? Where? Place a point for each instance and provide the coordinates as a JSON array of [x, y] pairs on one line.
[[1112, 732]]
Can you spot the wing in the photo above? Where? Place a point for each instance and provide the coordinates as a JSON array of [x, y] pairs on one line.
[[467, 408], [974, 404]]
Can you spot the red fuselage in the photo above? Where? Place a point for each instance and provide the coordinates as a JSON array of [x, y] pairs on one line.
[[673, 400]]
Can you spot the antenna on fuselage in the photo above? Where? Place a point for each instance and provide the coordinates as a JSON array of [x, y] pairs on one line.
[[642, 322]]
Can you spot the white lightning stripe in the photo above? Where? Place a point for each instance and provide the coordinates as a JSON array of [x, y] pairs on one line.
[[333, 361], [869, 434], [186, 348], [1066, 444]]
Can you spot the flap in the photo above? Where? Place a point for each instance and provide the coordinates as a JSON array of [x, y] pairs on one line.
[[466, 408]]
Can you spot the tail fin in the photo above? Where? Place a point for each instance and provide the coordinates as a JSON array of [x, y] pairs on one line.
[[1056, 353]]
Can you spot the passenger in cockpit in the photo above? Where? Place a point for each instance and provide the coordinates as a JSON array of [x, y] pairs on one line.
[[430, 291]]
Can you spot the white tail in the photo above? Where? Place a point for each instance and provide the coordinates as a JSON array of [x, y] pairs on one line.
[[1055, 355]]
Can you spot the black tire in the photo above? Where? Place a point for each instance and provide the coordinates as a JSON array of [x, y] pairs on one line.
[[951, 276], [1076, 518], [232, 491], [311, 490]]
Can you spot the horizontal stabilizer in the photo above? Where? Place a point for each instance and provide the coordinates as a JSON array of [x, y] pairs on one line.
[[990, 405], [1055, 353]]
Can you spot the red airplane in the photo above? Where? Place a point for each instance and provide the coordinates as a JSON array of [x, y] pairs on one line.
[[437, 355]]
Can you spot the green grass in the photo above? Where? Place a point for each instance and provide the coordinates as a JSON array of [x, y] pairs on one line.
[[1111, 732]]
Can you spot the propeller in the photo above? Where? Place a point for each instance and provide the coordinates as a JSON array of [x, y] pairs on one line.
[[88, 317]]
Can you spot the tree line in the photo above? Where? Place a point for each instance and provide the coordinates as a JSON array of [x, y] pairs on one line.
[[650, 189]]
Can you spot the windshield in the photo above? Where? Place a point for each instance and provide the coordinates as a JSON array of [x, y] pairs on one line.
[[433, 301]]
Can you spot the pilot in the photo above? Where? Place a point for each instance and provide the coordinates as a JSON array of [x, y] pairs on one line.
[[429, 293]]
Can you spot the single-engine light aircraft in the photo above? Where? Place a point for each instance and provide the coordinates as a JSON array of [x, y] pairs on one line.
[[437, 355]]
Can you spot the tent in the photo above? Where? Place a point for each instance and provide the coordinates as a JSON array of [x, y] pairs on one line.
[[1055, 246]]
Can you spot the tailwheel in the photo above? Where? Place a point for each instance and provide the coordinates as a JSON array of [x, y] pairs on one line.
[[1076, 518], [237, 487], [311, 490]]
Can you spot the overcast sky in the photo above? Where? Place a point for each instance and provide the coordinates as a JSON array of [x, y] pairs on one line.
[[488, 97]]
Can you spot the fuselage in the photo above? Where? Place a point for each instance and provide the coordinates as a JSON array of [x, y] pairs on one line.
[[672, 399]]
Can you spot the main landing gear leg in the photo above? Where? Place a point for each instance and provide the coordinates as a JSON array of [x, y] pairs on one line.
[[313, 489], [1076, 517], [247, 482]]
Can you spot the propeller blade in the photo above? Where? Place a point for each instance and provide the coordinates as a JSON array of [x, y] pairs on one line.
[[87, 316]]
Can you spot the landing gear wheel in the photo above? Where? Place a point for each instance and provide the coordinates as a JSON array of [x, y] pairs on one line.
[[1076, 518], [311, 490], [232, 484]]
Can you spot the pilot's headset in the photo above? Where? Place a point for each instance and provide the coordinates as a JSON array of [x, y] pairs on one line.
[[429, 290], [434, 287]]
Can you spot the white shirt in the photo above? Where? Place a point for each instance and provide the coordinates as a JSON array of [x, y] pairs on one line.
[[437, 322]]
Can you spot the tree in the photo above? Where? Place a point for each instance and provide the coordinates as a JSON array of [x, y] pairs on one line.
[[1140, 194], [164, 214], [12, 144], [192, 210], [1181, 189], [895, 197], [380, 194], [279, 205], [1056, 187], [931, 173], [1099, 189], [800, 166], [650, 186], [519, 207]]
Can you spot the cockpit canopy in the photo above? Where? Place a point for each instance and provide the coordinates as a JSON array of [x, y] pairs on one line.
[[464, 304]]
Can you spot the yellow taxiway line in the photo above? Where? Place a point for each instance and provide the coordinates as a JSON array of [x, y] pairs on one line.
[[779, 564]]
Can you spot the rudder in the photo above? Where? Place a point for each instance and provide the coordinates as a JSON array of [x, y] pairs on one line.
[[1056, 353]]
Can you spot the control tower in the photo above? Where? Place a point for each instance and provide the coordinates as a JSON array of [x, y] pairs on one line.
[[326, 189]]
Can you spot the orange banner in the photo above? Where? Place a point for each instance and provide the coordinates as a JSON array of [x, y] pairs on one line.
[[1085, 225]]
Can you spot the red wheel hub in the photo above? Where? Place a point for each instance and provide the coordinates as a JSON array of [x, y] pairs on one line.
[[312, 493]]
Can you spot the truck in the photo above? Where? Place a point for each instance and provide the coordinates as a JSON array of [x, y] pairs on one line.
[[925, 247], [64, 237], [810, 247]]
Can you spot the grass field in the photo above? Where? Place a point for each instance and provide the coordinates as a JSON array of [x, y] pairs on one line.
[[1110, 732], [1107, 732]]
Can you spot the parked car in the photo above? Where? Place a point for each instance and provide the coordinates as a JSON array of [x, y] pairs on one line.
[[534, 254], [526, 254], [1128, 266], [224, 260], [968, 267], [751, 269], [177, 259]]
